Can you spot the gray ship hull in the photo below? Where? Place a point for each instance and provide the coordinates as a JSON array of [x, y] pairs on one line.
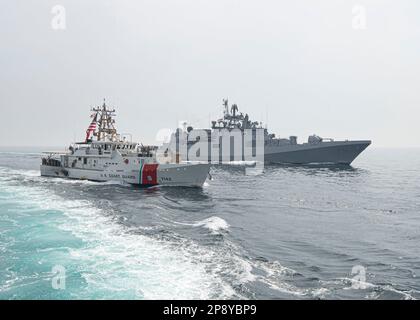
[[331, 152], [236, 133]]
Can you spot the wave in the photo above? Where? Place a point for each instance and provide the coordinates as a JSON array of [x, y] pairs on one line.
[[241, 163], [19, 175], [214, 224], [19, 172], [117, 261], [376, 290]]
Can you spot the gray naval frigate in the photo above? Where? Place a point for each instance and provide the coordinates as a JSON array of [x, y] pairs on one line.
[[316, 150]]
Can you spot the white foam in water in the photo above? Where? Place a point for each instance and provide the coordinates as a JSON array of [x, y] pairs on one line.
[[36, 174], [374, 290], [377, 289], [116, 262], [241, 163], [214, 224], [274, 275], [26, 173]]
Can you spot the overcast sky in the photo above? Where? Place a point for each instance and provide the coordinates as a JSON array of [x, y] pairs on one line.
[[302, 65]]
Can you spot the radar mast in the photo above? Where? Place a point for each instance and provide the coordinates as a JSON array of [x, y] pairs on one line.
[[106, 124]]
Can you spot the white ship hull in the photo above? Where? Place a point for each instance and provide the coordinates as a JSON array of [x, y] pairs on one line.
[[184, 175]]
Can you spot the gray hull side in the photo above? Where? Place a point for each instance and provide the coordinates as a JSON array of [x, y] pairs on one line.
[[340, 152]]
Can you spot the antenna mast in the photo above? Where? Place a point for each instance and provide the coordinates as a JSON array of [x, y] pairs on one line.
[[106, 124]]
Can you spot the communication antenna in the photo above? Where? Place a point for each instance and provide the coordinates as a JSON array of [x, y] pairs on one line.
[[266, 117], [106, 123]]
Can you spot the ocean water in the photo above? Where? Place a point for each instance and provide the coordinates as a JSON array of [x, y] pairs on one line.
[[294, 232]]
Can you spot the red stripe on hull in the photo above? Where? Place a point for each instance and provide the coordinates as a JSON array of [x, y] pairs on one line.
[[149, 175]]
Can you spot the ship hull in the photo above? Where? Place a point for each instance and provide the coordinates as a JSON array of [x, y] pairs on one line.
[[180, 175], [334, 152]]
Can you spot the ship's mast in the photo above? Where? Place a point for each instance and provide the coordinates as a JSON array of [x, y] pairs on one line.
[[226, 107], [234, 119], [106, 124]]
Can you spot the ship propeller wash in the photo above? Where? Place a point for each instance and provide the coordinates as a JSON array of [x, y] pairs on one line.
[[106, 155]]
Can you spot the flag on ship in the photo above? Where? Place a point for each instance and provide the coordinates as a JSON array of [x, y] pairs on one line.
[[92, 126]]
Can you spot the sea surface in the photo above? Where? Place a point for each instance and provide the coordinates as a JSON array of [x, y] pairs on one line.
[[291, 233]]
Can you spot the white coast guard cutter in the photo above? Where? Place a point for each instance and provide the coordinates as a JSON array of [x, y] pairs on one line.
[[110, 157]]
